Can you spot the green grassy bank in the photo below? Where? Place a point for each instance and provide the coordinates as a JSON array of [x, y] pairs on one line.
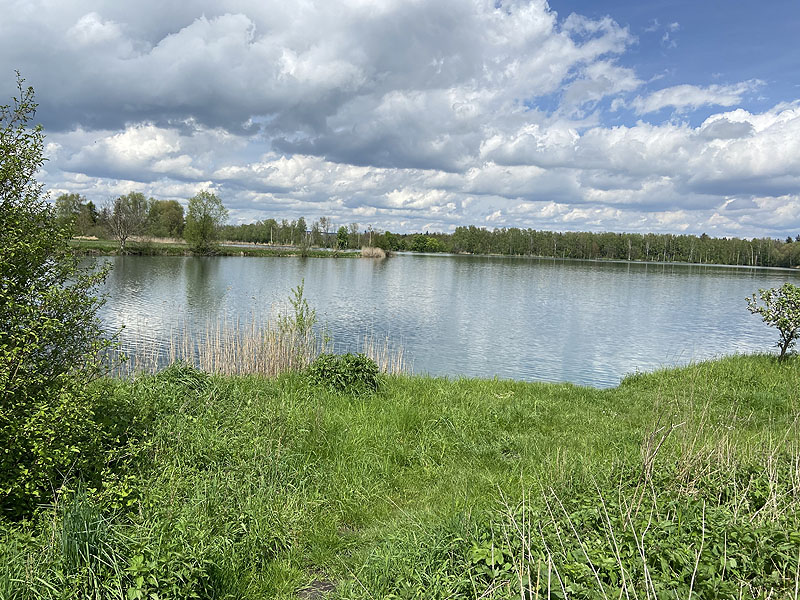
[[111, 247], [677, 484]]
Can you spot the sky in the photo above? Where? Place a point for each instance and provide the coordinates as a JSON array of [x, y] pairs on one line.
[[663, 116]]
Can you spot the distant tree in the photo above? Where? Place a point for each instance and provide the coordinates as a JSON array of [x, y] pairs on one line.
[[68, 207], [165, 218], [325, 224], [316, 234], [127, 217], [780, 309], [88, 219], [270, 230], [353, 237], [51, 340], [204, 216], [391, 241], [341, 237], [300, 228]]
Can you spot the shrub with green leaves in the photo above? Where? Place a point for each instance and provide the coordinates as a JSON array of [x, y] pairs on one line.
[[51, 341], [780, 309], [349, 373]]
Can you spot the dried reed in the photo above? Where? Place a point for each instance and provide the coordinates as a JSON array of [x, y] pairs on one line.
[[256, 348], [372, 252]]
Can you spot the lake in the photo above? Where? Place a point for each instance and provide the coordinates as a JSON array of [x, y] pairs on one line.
[[531, 319]]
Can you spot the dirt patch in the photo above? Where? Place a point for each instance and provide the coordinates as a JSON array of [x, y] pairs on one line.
[[319, 588]]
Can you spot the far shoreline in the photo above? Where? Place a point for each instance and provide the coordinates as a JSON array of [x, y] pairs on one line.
[[170, 247]]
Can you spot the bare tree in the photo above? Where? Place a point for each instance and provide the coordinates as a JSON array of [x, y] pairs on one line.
[[325, 223], [127, 217]]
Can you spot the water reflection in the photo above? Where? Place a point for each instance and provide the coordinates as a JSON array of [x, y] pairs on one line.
[[520, 318]]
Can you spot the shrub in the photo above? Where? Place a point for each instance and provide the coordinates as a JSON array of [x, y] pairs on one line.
[[51, 342], [349, 373], [781, 309]]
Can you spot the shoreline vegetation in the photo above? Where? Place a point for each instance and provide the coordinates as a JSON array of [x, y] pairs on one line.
[[679, 483], [160, 247], [172, 247]]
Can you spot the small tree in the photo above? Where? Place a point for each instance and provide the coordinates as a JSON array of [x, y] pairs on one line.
[[128, 217], [51, 340], [341, 237], [204, 216], [780, 309]]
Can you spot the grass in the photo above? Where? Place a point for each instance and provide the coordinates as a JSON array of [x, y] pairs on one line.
[[682, 483]]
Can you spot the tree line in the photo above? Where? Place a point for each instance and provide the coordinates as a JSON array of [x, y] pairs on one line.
[[653, 247], [133, 214]]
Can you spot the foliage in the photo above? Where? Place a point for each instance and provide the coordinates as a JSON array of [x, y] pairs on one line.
[[295, 338], [51, 341], [516, 241], [204, 216], [780, 309], [165, 218], [77, 214], [256, 487], [127, 217], [342, 237], [347, 373]]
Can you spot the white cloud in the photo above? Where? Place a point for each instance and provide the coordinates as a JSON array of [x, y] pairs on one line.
[[92, 29], [686, 97], [410, 114]]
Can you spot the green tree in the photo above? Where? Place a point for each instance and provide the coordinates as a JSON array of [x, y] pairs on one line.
[[300, 232], [780, 309], [341, 237], [68, 207], [128, 217], [50, 337], [86, 223], [204, 216], [165, 218]]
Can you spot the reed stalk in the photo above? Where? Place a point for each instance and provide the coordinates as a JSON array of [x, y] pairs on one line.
[[266, 348]]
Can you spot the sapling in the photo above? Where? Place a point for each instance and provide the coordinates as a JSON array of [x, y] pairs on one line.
[[780, 309]]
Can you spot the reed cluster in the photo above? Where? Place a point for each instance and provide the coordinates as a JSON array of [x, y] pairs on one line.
[[372, 252], [259, 347]]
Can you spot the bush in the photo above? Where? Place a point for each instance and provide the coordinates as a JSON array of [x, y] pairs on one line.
[[781, 309], [349, 373], [51, 342]]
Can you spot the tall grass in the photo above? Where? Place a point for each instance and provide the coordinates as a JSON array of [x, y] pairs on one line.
[[256, 348], [269, 347], [679, 484]]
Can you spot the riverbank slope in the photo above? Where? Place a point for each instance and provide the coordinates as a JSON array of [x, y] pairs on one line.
[[684, 482]]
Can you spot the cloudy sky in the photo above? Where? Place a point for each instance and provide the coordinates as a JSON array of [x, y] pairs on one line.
[[411, 115]]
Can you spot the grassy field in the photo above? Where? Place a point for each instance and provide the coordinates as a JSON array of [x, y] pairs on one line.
[[175, 248], [683, 483]]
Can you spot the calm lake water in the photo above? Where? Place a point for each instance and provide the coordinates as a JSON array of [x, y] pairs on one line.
[[532, 319]]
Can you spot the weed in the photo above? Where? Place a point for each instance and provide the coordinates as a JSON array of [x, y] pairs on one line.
[[348, 373]]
